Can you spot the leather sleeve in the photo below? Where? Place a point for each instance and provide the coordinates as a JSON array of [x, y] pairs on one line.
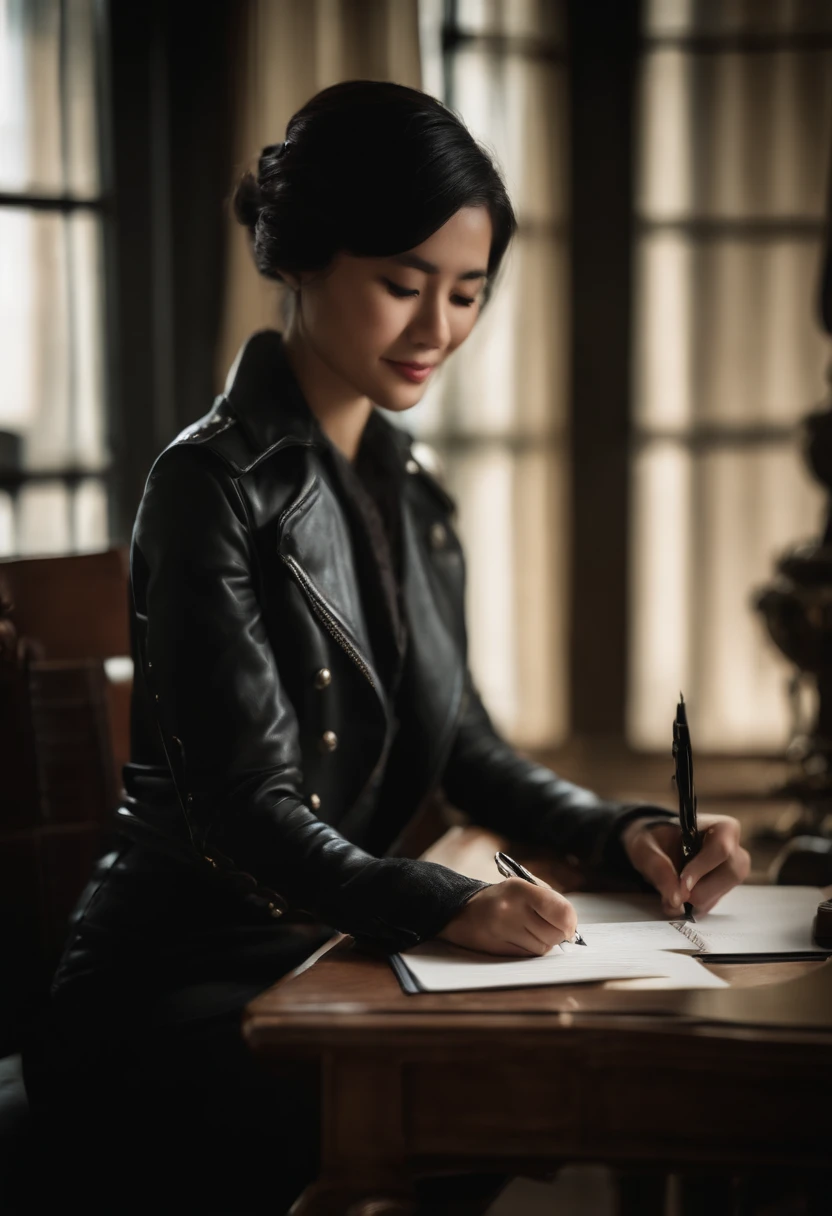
[[229, 726], [519, 798]]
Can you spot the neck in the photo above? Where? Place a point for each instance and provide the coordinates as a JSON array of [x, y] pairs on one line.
[[341, 413]]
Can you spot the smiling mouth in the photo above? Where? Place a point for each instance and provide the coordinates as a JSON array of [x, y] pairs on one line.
[[416, 373], [416, 367]]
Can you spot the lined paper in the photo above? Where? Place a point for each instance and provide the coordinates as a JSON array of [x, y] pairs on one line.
[[757, 920], [751, 919], [628, 939], [633, 937], [441, 967], [608, 909]]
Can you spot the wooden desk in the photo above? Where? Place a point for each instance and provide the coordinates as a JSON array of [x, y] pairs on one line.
[[525, 1080]]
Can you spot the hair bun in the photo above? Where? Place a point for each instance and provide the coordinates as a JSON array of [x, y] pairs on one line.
[[369, 168], [248, 202], [269, 159]]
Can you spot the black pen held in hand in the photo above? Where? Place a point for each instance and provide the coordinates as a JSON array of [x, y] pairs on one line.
[[682, 754], [509, 868]]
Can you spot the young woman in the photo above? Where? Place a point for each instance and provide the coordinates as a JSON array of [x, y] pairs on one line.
[[301, 677]]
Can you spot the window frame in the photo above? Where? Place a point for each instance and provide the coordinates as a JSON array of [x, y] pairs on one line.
[[703, 437], [70, 475], [604, 47]]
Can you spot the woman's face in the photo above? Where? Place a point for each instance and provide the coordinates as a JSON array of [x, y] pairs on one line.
[[370, 320]]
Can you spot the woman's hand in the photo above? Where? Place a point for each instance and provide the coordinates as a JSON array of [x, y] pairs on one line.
[[512, 917], [655, 849]]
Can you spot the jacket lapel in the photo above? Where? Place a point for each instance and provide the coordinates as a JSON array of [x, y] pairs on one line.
[[315, 543]]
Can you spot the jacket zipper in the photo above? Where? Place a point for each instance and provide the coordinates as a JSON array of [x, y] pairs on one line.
[[335, 632], [328, 620]]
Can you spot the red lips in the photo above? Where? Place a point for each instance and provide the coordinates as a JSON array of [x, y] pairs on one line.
[[416, 373]]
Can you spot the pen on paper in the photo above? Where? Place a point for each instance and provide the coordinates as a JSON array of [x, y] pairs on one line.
[[509, 868]]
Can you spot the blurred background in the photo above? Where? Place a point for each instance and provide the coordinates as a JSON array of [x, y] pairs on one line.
[[621, 430]]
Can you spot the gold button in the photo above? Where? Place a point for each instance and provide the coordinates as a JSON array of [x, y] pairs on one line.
[[314, 802], [329, 741], [190, 800], [323, 677], [149, 663], [438, 536], [156, 697], [412, 466], [275, 911]]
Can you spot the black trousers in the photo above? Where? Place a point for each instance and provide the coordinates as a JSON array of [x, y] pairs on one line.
[[145, 1096], [180, 1120]]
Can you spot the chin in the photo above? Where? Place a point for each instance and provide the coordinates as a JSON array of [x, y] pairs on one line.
[[397, 401]]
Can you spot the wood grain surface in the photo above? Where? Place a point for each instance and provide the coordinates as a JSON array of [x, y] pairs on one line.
[[524, 1080]]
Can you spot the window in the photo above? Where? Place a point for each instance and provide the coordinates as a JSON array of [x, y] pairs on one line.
[[497, 417], [53, 449], [735, 128]]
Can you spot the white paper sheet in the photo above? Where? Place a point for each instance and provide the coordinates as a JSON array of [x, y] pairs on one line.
[[628, 939], [595, 908], [750, 919], [441, 967], [681, 971], [758, 920], [625, 938]]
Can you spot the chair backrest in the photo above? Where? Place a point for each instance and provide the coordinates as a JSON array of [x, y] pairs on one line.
[[64, 734], [75, 606]]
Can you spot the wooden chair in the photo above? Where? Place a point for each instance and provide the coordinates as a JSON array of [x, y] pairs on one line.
[[64, 734]]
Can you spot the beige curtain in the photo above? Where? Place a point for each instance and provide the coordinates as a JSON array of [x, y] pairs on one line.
[[51, 308], [292, 49]]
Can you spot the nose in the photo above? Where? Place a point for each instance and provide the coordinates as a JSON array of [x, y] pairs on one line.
[[430, 328]]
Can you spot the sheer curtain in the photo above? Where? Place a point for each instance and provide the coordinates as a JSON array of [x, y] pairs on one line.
[[292, 50], [53, 449], [735, 135], [498, 415]]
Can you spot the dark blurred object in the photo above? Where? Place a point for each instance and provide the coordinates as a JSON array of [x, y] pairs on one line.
[[11, 468], [11, 448], [174, 97], [822, 928], [804, 861], [797, 607], [59, 619]]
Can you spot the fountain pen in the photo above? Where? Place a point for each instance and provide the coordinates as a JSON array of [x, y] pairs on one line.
[[682, 754]]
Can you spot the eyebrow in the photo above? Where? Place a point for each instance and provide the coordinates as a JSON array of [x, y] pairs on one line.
[[416, 263]]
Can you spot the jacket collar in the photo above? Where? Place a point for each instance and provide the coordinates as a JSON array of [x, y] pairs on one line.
[[271, 410], [269, 404], [266, 398]]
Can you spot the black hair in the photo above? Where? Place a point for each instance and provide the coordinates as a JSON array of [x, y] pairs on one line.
[[370, 168]]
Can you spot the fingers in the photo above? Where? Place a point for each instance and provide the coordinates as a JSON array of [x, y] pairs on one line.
[[530, 940], [531, 918], [505, 948], [536, 936], [651, 860], [718, 866], [553, 909], [719, 843], [718, 882], [551, 934]]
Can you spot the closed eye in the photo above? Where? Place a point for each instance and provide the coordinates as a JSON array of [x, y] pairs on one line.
[[403, 293], [398, 291]]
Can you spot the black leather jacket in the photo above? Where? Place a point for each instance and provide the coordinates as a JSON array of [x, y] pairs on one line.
[[259, 723]]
